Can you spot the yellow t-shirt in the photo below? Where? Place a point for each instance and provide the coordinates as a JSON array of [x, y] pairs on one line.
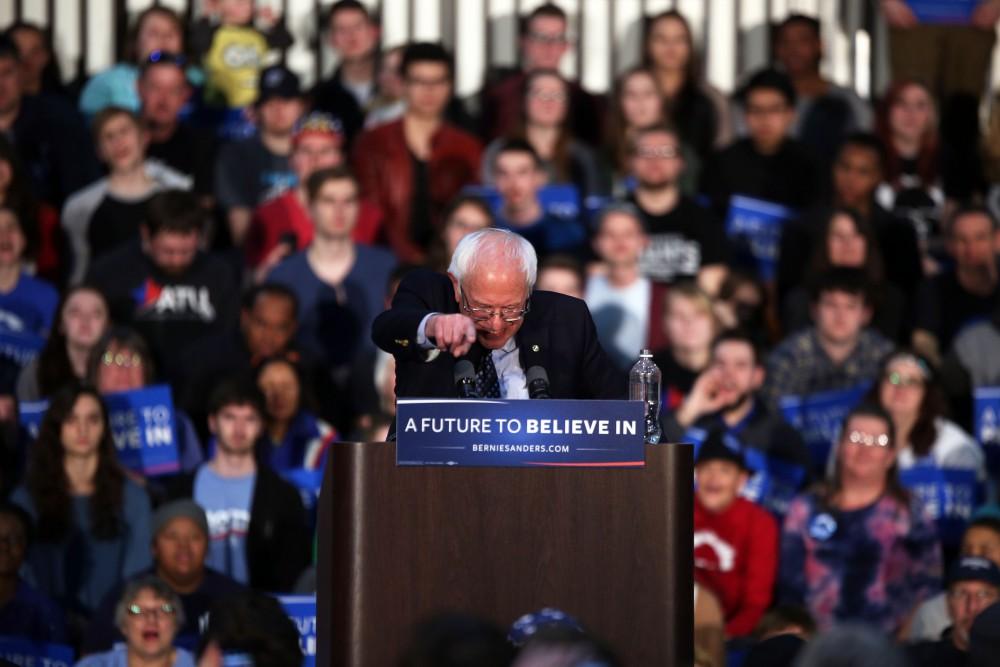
[[232, 66]]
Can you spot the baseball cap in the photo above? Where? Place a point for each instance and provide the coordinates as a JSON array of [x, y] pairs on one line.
[[975, 568], [718, 446], [278, 81], [184, 507], [319, 123]]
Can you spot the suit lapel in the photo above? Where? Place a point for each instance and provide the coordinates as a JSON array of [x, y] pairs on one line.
[[533, 344]]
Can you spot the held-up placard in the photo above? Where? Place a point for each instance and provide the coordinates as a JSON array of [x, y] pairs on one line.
[[525, 433], [142, 425]]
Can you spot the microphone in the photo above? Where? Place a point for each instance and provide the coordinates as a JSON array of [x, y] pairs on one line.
[[465, 379], [538, 382]]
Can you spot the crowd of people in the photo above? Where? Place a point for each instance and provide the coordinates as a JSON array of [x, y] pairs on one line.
[[818, 277]]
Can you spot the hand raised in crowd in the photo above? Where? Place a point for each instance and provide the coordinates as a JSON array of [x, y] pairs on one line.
[[898, 14], [452, 333], [708, 395]]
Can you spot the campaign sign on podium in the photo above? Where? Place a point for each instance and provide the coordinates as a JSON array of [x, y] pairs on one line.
[[493, 432]]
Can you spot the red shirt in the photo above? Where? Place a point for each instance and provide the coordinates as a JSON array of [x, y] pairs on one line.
[[285, 213], [736, 557]]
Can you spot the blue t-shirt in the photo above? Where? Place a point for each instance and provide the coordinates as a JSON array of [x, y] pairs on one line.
[[26, 314], [118, 657], [335, 323], [227, 502], [31, 615]]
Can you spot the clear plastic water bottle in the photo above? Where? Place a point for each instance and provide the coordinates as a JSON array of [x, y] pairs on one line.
[[644, 385]]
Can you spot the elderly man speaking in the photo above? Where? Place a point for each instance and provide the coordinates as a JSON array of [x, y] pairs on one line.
[[485, 310]]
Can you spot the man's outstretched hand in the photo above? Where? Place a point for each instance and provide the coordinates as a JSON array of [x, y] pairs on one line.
[[451, 333]]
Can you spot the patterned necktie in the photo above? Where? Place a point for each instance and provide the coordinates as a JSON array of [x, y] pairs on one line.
[[487, 382]]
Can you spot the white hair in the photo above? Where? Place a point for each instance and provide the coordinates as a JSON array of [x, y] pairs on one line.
[[497, 245]]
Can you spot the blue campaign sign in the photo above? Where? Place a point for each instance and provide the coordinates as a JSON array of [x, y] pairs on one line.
[[20, 346], [754, 226], [30, 415], [818, 418], [560, 199], [528, 433], [948, 494], [142, 425], [26, 653], [986, 422], [773, 481], [943, 11], [302, 610]]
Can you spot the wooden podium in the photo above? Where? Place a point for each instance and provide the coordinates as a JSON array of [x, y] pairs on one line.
[[610, 546]]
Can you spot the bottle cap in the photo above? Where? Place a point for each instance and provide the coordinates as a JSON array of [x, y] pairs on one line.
[[645, 354]]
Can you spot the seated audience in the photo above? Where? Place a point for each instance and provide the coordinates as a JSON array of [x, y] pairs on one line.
[[838, 351], [81, 319], [39, 221], [685, 240], [464, 215], [413, 167], [690, 325], [24, 611], [180, 547], [862, 509], [92, 520], [339, 284], [545, 126], [619, 298], [164, 93], [966, 293], [249, 628], [980, 540], [973, 585], [27, 304], [543, 42], [725, 397], [637, 103], [39, 65], [47, 133], [253, 170], [157, 29], [857, 171], [519, 174], [149, 614], [848, 240], [121, 361], [107, 213], [562, 274], [281, 226], [353, 34], [698, 111], [735, 540], [257, 525], [389, 105], [267, 325], [825, 112], [767, 164], [294, 437], [165, 287]]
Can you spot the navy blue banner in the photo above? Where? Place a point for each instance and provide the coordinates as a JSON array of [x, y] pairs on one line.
[[302, 610], [948, 494], [818, 418], [432, 431], [27, 653], [754, 227], [987, 424], [943, 11], [30, 414], [20, 346]]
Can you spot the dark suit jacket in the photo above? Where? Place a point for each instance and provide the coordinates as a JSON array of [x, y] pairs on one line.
[[558, 334]]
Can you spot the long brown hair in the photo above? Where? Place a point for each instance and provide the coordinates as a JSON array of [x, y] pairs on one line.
[[927, 156], [616, 128], [560, 157], [933, 405], [54, 367], [48, 484]]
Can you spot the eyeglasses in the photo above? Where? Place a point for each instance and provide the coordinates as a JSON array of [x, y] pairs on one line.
[[977, 596], [121, 360], [165, 609], [547, 40], [899, 380], [867, 439], [508, 315], [658, 153], [165, 57], [543, 96]]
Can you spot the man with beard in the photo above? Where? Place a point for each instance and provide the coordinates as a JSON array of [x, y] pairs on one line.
[[724, 397], [164, 285], [685, 240]]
